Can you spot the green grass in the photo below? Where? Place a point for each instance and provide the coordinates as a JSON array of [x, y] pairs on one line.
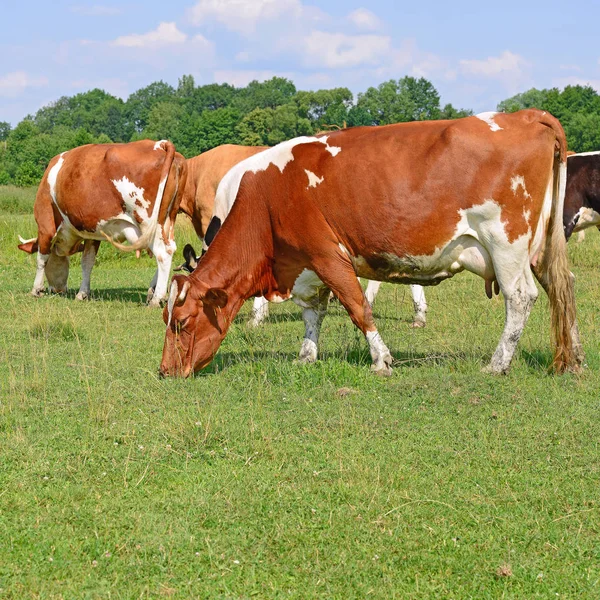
[[260, 478]]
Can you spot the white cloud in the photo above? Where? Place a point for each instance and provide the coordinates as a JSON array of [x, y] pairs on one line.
[[14, 84], [166, 34], [335, 50], [98, 10], [497, 67], [364, 19], [244, 15]]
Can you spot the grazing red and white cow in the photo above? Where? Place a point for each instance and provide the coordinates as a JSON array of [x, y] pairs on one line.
[[119, 192], [406, 203]]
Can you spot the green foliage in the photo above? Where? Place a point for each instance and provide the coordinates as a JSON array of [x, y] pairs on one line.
[[268, 126], [198, 118], [577, 107], [407, 99], [4, 130]]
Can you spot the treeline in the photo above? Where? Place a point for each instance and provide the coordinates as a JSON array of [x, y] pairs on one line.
[[197, 118]]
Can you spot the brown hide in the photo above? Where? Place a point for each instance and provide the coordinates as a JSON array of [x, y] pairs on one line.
[[204, 174]]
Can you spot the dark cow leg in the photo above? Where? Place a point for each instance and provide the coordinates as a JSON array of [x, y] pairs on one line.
[[338, 274], [313, 314], [87, 264]]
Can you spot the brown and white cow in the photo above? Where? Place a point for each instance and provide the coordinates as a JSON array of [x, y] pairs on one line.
[[406, 203], [204, 173], [119, 192]]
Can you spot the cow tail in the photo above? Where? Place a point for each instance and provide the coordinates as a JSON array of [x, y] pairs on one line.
[[148, 236], [554, 270]]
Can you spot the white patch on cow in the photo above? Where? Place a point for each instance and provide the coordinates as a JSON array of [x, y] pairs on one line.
[[159, 145], [519, 181], [260, 311], [313, 180], [133, 196], [344, 249], [488, 117], [527, 215], [305, 287], [479, 234], [53, 175], [279, 155]]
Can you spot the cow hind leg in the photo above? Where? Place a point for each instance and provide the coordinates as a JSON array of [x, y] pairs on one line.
[[519, 297], [88, 260], [420, 305], [338, 274], [260, 311], [371, 291]]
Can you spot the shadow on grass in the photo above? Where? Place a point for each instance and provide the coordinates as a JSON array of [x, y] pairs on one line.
[[357, 358], [133, 295], [540, 360]]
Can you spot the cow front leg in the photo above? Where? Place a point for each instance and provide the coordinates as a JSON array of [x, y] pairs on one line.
[[337, 273], [420, 305], [519, 300], [88, 259], [38, 282], [164, 257]]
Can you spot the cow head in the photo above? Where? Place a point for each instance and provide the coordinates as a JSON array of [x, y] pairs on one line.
[[196, 326], [57, 272], [191, 260]]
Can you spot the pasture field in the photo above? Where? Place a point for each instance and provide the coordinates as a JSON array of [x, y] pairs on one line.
[[262, 478]]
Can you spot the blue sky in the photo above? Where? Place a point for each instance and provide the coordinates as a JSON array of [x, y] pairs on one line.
[[475, 53]]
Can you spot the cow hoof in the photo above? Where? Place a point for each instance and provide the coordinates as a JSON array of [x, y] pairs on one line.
[[382, 370], [150, 297], [254, 322], [58, 292], [82, 296], [37, 293], [157, 302], [417, 324], [492, 370]]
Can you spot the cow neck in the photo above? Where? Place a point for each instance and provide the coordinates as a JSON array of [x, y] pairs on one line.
[[242, 271]]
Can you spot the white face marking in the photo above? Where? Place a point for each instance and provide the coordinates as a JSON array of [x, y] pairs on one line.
[[588, 217], [488, 117], [313, 180], [133, 196], [279, 156], [53, 174]]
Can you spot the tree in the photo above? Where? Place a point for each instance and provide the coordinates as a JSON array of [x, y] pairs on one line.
[[268, 126], [140, 103], [324, 107], [266, 94], [4, 130], [407, 99]]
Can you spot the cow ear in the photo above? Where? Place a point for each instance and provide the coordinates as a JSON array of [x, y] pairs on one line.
[[215, 297]]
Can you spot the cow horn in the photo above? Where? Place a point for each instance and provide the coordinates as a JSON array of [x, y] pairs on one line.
[[183, 294], [171, 302]]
